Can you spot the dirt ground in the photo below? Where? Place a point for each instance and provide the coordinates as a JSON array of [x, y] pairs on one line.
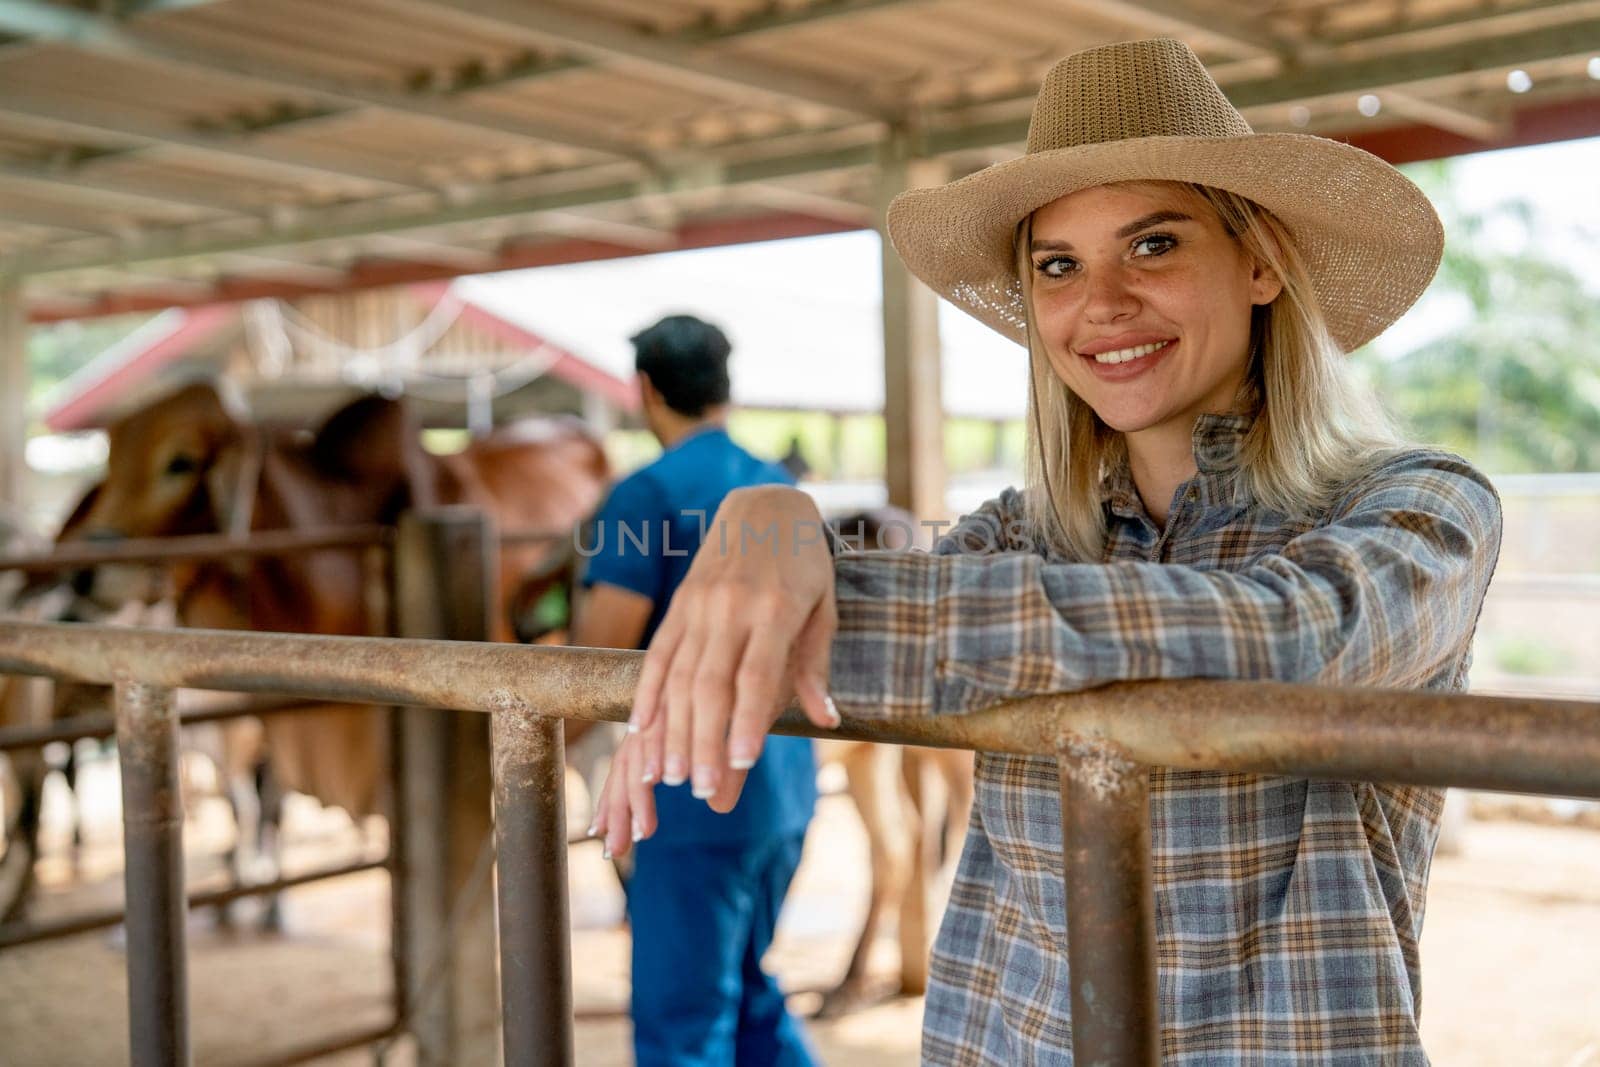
[[1511, 954]]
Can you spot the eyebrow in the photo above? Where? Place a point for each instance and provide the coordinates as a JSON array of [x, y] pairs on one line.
[[1155, 218]]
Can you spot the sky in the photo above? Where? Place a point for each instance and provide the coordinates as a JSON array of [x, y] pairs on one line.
[[803, 314]]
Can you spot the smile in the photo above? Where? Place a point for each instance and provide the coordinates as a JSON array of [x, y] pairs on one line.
[[1124, 355]]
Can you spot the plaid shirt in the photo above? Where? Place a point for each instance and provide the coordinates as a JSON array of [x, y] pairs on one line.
[[1287, 911]]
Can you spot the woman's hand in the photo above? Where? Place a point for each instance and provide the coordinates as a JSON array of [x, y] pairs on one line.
[[752, 623], [626, 810]]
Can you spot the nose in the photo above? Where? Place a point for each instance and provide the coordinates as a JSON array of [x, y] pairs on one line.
[[83, 582], [1108, 298]]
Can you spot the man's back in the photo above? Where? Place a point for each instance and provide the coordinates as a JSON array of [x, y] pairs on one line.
[[644, 540]]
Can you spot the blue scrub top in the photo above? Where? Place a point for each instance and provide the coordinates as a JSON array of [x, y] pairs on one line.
[[643, 540]]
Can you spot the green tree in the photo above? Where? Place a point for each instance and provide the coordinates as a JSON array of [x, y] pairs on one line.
[[1516, 387], [60, 350]]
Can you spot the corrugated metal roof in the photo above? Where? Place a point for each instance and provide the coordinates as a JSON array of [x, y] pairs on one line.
[[179, 138]]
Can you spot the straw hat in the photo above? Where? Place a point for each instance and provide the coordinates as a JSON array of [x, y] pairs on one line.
[[1147, 110]]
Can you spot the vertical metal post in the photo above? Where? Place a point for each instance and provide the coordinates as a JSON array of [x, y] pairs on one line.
[[152, 820], [13, 392], [446, 563], [530, 826], [1111, 926]]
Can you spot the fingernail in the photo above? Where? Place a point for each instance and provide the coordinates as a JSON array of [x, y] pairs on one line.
[[605, 853], [676, 772], [594, 828], [833, 710], [648, 777], [633, 727], [741, 755], [638, 833], [705, 782]]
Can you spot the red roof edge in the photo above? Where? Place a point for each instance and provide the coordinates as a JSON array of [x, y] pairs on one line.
[[79, 411], [572, 369]]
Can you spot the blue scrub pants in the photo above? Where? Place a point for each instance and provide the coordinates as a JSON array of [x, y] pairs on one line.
[[702, 918]]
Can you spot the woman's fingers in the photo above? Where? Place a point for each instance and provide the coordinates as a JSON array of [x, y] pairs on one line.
[[677, 697], [647, 694], [642, 802], [811, 664], [712, 701], [759, 688], [618, 817]]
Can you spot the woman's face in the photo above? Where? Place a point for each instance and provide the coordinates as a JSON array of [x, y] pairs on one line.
[[1143, 303]]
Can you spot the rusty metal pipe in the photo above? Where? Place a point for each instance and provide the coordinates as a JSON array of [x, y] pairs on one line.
[[87, 727], [1424, 738], [1111, 919], [25, 932], [531, 888], [534, 537], [194, 548], [152, 819]]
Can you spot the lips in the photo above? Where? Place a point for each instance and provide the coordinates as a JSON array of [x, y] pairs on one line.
[[1122, 361], [1122, 342]]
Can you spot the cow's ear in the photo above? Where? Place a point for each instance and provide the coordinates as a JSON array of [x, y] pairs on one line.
[[223, 492], [367, 440], [80, 512]]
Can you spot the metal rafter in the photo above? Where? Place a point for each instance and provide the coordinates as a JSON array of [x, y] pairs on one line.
[[1344, 78], [299, 159], [44, 21], [60, 179], [665, 56]]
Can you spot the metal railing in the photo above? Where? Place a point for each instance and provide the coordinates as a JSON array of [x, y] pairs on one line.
[[1105, 742], [417, 944]]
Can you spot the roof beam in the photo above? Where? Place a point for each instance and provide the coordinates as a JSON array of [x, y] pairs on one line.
[[665, 56], [1478, 22], [1465, 58], [342, 222], [107, 37], [409, 247], [1339, 79], [1178, 18], [296, 158], [1451, 117], [256, 264], [58, 180]]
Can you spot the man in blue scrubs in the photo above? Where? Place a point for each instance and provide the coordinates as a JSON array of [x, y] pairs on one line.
[[704, 897]]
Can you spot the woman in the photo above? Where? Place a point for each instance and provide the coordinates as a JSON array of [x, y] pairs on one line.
[[1208, 496]]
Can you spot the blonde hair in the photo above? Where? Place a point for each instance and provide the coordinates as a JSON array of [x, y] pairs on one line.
[[1315, 427]]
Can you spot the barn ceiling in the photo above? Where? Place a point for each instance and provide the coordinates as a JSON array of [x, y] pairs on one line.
[[159, 152]]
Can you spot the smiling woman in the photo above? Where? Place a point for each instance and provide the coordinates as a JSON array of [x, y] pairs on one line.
[[1208, 497]]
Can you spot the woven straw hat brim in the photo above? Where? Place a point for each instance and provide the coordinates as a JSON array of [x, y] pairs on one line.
[[1370, 239]]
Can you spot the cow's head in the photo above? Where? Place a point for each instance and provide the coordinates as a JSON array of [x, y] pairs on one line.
[[167, 465]]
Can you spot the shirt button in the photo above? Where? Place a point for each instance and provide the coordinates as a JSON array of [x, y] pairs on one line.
[[1192, 495]]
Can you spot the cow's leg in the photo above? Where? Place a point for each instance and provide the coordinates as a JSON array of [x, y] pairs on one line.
[[875, 788], [956, 771], [922, 834], [28, 772], [270, 839]]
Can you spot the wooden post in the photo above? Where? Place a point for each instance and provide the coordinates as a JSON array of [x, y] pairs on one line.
[[13, 394], [445, 563], [913, 407]]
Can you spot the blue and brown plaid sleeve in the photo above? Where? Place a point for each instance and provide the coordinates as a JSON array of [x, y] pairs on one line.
[[1380, 593]]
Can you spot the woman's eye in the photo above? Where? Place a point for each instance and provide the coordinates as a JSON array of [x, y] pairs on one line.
[[1154, 244], [1057, 267]]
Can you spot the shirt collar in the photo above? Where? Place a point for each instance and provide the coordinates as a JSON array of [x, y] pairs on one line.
[[697, 433], [1218, 441]]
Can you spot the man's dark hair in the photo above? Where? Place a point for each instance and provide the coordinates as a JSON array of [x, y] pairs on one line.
[[687, 362]]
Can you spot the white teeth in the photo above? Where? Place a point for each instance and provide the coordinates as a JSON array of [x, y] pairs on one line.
[[1122, 355]]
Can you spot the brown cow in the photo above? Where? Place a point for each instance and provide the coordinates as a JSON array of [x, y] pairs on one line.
[[185, 465], [906, 843]]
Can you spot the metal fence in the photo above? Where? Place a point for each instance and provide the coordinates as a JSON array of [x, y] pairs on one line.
[[449, 549], [1105, 741]]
